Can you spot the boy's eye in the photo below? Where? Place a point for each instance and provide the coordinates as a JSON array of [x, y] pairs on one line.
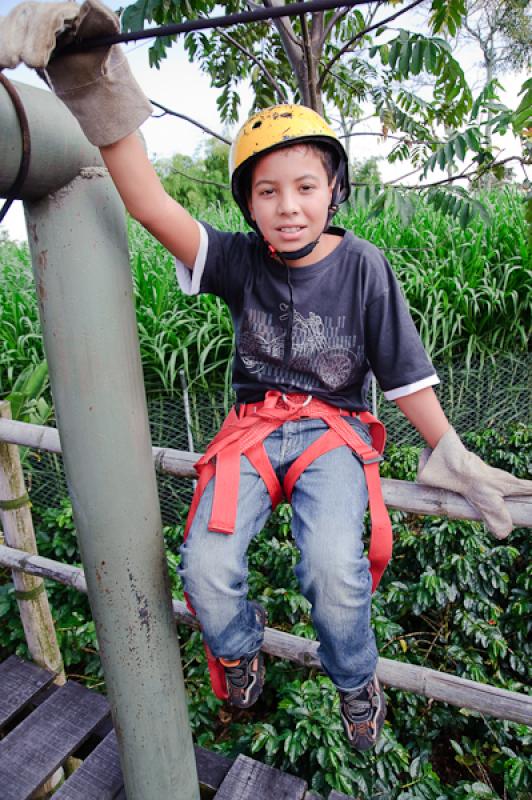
[[306, 187], [266, 192]]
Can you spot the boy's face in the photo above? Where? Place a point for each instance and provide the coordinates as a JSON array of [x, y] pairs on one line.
[[290, 198]]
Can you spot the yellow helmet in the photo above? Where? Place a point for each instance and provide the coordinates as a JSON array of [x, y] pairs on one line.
[[276, 127]]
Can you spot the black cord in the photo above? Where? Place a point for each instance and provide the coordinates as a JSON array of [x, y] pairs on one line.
[[26, 145], [289, 312], [225, 21]]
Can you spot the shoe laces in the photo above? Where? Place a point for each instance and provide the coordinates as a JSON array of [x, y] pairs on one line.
[[238, 674], [358, 706]]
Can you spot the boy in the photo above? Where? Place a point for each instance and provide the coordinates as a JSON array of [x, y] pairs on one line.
[[315, 311]]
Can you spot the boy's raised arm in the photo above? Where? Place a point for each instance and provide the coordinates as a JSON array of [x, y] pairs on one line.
[[146, 200], [99, 89]]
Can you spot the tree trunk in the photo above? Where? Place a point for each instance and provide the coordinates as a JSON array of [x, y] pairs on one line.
[[303, 54]]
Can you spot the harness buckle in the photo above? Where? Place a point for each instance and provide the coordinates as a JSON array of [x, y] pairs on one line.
[[290, 403], [367, 461]]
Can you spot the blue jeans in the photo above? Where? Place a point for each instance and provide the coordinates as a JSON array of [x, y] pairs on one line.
[[328, 503]]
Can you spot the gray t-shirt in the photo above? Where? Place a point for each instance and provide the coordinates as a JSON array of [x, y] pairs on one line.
[[349, 319]]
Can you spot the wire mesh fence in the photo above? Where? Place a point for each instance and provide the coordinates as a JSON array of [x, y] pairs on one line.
[[494, 392]]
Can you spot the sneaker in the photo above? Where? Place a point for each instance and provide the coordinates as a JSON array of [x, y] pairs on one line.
[[244, 676], [363, 713]]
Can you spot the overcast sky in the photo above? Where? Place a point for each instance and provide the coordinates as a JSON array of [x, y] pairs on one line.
[[182, 86]]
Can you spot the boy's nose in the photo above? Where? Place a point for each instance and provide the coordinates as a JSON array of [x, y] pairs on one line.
[[287, 203]]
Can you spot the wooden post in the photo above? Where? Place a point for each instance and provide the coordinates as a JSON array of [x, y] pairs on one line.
[[17, 524], [18, 530]]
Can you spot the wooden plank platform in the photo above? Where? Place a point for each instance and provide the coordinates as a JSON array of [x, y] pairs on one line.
[[20, 683], [33, 751], [250, 779], [98, 778], [42, 729]]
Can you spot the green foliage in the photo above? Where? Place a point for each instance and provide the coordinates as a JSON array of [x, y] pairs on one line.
[[470, 146], [199, 182], [278, 70], [56, 539], [456, 146], [447, 16], [343, 61], [469, 290], [26, 396], [412, 53], [365, 171], [458, 203], [522, 118], [21, 348], [176, 332]]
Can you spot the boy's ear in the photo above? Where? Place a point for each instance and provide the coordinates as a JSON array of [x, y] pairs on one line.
[[250, 208]]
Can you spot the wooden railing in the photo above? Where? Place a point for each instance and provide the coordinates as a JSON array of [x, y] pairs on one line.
[[402, 495]]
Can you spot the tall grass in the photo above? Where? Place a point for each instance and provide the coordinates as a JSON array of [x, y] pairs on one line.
[[469, 292], [177, 332], [20, 332]]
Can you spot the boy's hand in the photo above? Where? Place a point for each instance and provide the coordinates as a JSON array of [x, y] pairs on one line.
[[451, 466], [97, 86]]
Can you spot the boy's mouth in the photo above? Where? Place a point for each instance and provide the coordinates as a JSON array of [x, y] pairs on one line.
[[290, 229]]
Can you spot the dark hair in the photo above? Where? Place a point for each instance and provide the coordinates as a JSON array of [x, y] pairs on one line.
[[327, 156]]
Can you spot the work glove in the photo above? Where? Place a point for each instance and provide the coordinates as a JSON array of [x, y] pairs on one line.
[[97, 86], [28, 33], [451, 466]]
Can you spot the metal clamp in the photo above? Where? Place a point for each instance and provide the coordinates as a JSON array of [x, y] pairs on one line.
[[291, 404], [366, 462]]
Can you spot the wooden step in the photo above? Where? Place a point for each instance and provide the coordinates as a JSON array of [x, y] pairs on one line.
[[250, 780], [33, 751], [66, 717], [98, 778], [20, 682]]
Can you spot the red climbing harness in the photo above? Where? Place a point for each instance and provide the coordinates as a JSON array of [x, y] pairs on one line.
[[244, 432]]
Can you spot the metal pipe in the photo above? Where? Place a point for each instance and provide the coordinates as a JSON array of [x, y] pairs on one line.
[[77, 237], [58, 148]]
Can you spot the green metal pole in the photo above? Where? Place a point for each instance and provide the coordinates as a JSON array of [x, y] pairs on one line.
[[77, 238]]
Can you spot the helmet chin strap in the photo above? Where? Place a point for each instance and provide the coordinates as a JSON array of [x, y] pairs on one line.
[[293, 255]]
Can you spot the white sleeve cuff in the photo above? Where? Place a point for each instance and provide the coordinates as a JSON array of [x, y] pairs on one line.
[[403, 391], [189, 280]]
